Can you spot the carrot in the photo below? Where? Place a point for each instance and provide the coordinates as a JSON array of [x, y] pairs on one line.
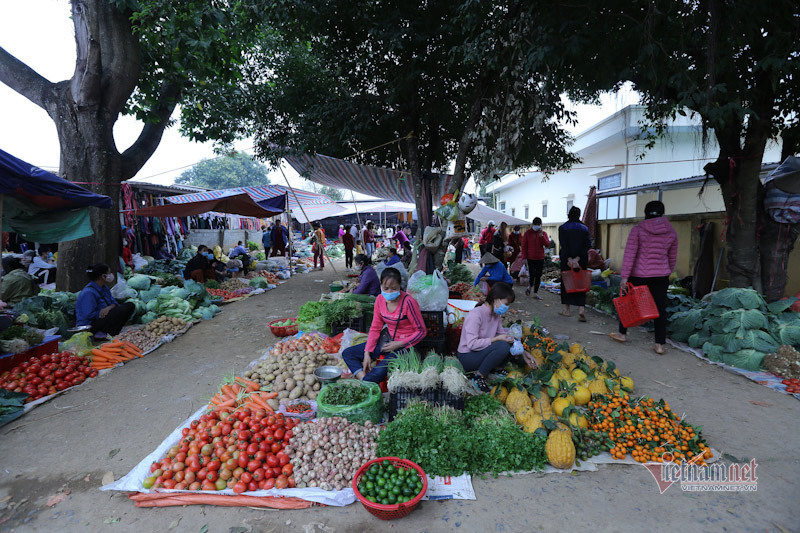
[[168, 499], [227, 390], [224, 405], [268, 395], [257, 401], [248, 384], [113, 344], [131, 345]]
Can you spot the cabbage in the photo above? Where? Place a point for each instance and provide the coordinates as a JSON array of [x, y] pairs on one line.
[[149, 317], [139, 282], [150, 293], [152, 305], [259, 283]]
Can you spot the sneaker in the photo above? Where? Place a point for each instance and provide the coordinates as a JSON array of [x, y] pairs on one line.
[[527, 292], [536, 296], [100, 336], [480, 383]]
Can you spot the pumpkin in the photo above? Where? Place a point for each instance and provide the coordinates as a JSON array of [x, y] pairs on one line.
[[516, 400], [532, 423], [559, 448], [501, 393]]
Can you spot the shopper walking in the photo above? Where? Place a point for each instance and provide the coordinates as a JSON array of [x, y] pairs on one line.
[[650, 255], [349, 243], [499, 243], [575, 243], [534, 243], [485, 240]]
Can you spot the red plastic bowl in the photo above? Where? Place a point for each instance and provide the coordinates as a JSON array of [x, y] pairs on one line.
[[283, 331], [397, 510]]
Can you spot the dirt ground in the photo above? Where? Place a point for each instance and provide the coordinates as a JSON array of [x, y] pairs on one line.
[[111, 423]]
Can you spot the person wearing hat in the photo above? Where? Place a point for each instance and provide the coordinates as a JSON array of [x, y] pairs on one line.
[[650, 255], [486, 238], [493, 271], [17, 283]]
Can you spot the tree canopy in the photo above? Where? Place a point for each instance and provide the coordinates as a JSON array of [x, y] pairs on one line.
[[226, 172]]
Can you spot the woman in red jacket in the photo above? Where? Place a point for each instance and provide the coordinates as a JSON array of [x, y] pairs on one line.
[[650, 256], [534, 243]]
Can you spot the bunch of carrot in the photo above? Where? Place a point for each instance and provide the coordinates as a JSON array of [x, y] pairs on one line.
[[241, 392], [111, 353]]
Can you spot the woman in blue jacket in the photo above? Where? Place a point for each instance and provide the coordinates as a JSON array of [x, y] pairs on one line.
[[96, 307], [493, 271]]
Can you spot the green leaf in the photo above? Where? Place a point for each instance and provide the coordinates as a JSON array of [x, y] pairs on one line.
[[113, 452], [780, 306]]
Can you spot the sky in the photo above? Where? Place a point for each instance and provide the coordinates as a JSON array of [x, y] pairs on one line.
[[40, 34]]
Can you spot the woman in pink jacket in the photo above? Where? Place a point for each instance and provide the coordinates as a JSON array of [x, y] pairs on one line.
[[649, 260]]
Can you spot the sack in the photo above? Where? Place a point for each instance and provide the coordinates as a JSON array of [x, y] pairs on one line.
[[518, 264], [380, 267], [370, 409], [138, 262], [432, 238], [431, 292]]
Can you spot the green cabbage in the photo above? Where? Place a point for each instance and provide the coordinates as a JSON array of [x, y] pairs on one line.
[[149, 317], [139, 282], [259, 283]]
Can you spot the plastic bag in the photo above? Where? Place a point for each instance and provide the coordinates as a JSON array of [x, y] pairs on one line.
[[431, 292], [370, 409], [517, 348], [306, 415], [380, 267], [138, 262], [432, 238], [515, 330], [449, 212], [80, 344], [351, 337], [518, 264]]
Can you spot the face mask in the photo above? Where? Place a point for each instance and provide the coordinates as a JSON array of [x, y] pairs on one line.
[[108, 277], [209, 255], [50, 255], [390, 296], [537, 228], [501, 309], [516, 233]]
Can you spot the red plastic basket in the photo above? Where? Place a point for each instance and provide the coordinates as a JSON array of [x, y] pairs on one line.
[[580, 281], [398, 510], [636, 306], [283, 331]]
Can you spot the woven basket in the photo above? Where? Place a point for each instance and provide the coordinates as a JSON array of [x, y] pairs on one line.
[[636, 306]]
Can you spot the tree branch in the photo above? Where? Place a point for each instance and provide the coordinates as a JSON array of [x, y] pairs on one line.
[[465, 145], [25, 80], [140, 151]]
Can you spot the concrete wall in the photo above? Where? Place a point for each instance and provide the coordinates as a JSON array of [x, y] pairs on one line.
[[613, 234], [225, 239]]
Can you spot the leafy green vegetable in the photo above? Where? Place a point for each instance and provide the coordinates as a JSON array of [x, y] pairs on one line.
[[735, 298], [139, 282], [253, 246], [310, 310], [341, 393], [259, 283], [458, 273], [212, 284], [341, 311]]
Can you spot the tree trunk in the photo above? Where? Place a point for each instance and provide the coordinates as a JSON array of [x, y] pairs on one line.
[[776, 243]]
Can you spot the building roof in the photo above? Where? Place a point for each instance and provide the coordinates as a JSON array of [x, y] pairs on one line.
[[680, 183], [168, 189]]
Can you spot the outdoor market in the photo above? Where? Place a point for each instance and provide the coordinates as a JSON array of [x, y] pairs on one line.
[[400, 266]]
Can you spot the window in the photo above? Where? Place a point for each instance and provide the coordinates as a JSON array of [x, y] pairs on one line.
[[608, 208], [544, 210], [513, 211], [609, 182], [502, 206], [569, 205], [527, 213]]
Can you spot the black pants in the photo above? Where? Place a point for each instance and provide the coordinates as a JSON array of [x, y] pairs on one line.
[[486, 360], [535, 269], [112, 323], [460, 252], [658, 288], [348, 258]]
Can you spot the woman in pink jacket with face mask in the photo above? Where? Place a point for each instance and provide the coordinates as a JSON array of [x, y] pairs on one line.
[[650, 256]]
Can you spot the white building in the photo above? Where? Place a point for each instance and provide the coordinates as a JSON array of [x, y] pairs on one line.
[[614, 157]]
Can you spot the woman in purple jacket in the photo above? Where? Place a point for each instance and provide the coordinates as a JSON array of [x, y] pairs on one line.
[[650, 256], [368, 282]]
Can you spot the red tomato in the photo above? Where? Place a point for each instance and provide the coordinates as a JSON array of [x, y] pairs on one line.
[[214, 465], [252, 448], [252, 486], [272, 460], [287, 469], [202, 474], [243, 460], [260, 455], [279, 434], [269, 484], [213, 475], [253, 465], [283, 458], [276, 447], [246, 477], [169, 483], [208, 485], [258, 474], [282, 482], [291, 483]]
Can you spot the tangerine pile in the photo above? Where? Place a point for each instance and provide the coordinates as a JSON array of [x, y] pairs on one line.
[[537, 340], [647, 429]]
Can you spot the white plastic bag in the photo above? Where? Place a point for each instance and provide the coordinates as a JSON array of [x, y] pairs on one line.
[[380, 267], [515, 330], [121, 291], [431, 292], [138, 262]]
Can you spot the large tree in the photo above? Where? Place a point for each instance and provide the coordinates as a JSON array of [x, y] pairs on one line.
[[470, 86], [226, 172], [736, 65], [142, 57]]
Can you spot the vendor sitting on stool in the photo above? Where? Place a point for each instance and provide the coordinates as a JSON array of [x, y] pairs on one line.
[[485, 343], [96, 307], [493, 271], [397, 320], [199, 267]]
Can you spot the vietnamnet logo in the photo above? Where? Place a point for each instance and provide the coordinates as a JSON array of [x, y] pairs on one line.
[[716, 477]]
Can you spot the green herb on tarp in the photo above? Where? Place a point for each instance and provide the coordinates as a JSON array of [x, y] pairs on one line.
[[310, 311], [31, 336], [341, 311], [370, 408]]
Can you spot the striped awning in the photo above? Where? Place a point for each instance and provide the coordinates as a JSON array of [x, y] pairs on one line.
[[374, 181], [316, 206]]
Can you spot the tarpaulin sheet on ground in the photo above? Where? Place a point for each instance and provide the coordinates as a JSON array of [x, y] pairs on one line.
[[42, 207], [374, 181], [762, 378], [274, 198]]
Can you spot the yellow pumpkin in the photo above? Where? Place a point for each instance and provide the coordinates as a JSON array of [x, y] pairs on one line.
[[501, 394], [559, 404], [582, 395], [517, 399], [559, 449], [576, 349], [523, 414]]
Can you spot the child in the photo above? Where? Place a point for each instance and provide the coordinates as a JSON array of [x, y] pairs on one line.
[[359, 248]]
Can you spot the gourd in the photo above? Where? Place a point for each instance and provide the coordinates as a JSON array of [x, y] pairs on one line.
[[523, 414], [501, 393], [598, 386], [542, 406], [559, 448], [532, 423]]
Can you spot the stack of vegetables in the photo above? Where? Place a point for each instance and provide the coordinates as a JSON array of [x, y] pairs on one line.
[[111, 354], [737, 327], [190, 302], [408, 373], [46, 375], [159, 267], [458, 273], [49, 310], [17, 339], [468, 291]]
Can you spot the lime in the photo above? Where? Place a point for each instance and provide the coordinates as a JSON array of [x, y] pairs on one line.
[[370, 485], [392, 499], [383, 493], [380, 481]]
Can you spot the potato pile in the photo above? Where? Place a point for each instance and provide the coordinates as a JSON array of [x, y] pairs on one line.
[[164, 325], [290, 369]]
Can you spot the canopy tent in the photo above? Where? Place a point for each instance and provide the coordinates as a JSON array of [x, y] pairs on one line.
[[42, 207], [272, 198], [234, 203], [374, 181], [377, 206], [483, 213]]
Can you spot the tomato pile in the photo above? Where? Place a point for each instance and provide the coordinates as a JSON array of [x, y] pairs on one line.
[[242, 451], [792, 385], [46, 375]]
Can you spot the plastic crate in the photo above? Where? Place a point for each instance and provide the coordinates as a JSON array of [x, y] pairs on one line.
[[355, 324], [400, 398], [50, 345], [453, 338], [437, 345], [434, 322], [445, 398]]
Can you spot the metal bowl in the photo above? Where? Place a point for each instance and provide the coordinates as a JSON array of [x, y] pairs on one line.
[[328, 374]]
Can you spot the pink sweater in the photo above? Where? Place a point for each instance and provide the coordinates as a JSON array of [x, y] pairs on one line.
[[411, 328], [651, 250], [480, 325]]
